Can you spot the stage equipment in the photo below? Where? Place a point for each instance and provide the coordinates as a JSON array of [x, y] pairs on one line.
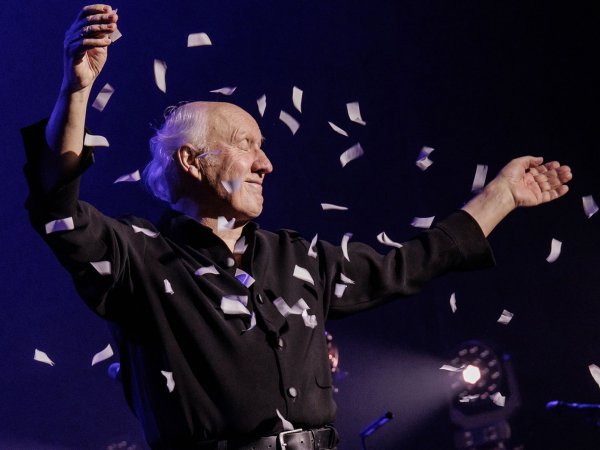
[[373, 427]]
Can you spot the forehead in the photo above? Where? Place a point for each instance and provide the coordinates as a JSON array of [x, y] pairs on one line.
[[231, 123]]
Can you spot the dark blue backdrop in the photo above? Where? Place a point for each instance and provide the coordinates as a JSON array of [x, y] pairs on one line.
[[479, 81]]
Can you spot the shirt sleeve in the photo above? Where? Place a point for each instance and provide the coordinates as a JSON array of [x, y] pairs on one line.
[[77, 233], [454, 244]]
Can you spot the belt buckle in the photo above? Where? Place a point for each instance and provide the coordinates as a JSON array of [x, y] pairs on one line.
[[280, 437]]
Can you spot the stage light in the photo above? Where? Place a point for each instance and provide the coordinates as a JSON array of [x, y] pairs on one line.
[[471, 374]]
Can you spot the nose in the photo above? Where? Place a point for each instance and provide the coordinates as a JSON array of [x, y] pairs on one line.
[[262, 165]]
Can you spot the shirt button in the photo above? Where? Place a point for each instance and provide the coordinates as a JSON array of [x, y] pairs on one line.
[[230, 262], [260, 299], [280, 344], [292, 392]]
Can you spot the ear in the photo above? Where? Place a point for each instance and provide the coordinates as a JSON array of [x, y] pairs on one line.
[[187, 158]]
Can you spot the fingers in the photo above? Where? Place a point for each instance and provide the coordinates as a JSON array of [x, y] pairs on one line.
[[93, 9]]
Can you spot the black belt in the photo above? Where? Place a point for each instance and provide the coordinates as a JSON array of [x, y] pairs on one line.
[[314, 439]]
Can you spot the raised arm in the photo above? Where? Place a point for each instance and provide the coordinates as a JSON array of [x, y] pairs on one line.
[[524, 181]]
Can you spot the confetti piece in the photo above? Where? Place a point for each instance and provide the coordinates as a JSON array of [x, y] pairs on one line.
[[204, 270], [168, 288], [252, 322], [351, 154], [450, 368], [198, 40], [292, 123], [468, 398], [498, 399], [130, 177], [303, 274], [297, 98], [555, 249], [145, 231], [65, 224], [92, 140], [244, 277], [102, 355], [311, 249], [287, 426], [235, 305], [339, 289], [282, 307], [231, 186], [309, 320], [42, 357], [345, 279], [262, 105], [422, 222], [115, 35], [102, 267], [595, 371], [103, 97], [331, 206], [170, 381], [589, 206], [337, 129], [240, 246], [160, 72], [423, 161], [385, 240], [228, 90], [354, 113], [505, 317], [479, 178], [345, 240], [224, 224], [453, 303]]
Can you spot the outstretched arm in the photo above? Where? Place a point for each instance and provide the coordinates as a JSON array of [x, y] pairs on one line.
[[524, 181]]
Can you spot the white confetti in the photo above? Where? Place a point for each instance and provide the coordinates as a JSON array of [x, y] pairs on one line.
[[423, 161], [65, 224], [287, 426], [240, 246], [232, 186], [385, 240], [228, 90], [589, 206], [102, 355], [235, 304], [453, 302], [145, 231], [479, 178], [42, 357], [252, 322], [170, 381], [292, 123], [204, 270], [555, 248], [303, 274], [168, 287], [244, 277], [595, 371], [262, 105], [297, 98], [224, 224], [422, 222], [311, 250], [331, 206], [103, 97], [130, 177], [498, 399], [345, 279], [505, 317], [468, 398], [345, 240], [354, 113], [93, 140], [115, 35], [160, 72], [339, 289], [309, 321], [450, 368], [337, 129], [198, 40], [102, 267], [351, 154]]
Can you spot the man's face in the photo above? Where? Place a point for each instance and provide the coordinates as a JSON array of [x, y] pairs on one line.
[[235, 167]]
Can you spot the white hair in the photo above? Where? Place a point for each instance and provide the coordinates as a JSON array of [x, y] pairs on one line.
[[184, 124]]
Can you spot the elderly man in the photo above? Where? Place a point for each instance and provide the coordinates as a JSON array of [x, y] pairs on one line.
[[220, 325]]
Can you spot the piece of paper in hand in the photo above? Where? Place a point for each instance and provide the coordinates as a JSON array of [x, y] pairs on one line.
[[130, 177], [303, 274], [287, 426], [354, 113], [356, 151], [498, 399], [505, 317], [292, 123], [146, 231], [160, 74], [170, 381], [422, 222], [423, 161], [595, 371], [453, 302], [240, 246], [93, 140], [235, 305], [339, 289], [168, 287], [331, 206], [297, 98], [262, 105], [555, 249], [42, 357], [103, 97], [589, 206], [65, 224], [385, 240], [479, 178], [102, 267], [204, 270], [102, 355], [115, 35], [338, 129], [311, 250], [345, 240], [227, 90], [232, 185], [224, 224], [198, 40], [244, 277]]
